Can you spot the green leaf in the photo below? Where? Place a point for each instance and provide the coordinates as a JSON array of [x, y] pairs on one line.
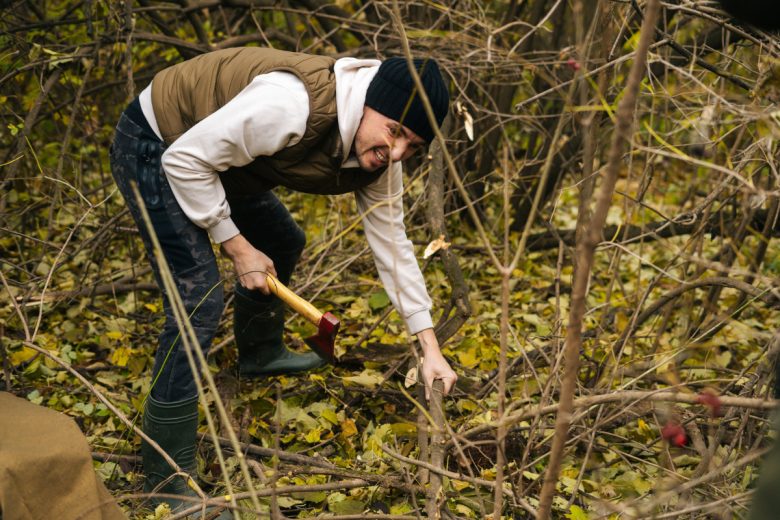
[[686, 460], [404, 429], [108, 471], [85, 408], [378, 301], [313, 436], [401, 508], [329, 415], [287, 502], [35, 397], [465, 511], [340, 504]]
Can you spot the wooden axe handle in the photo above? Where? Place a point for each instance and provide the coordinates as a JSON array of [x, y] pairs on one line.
[[298, 304]]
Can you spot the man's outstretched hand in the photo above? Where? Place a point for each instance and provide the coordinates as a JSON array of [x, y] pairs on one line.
[[251, 265], [434, 365]]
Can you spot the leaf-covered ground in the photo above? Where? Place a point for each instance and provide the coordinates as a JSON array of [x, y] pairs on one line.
[[357, 417]]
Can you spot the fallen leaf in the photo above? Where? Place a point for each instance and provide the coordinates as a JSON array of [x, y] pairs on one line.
[[435, 245], [368, 378], [411, 377], [468, 121], [378, 300], [348, 428]]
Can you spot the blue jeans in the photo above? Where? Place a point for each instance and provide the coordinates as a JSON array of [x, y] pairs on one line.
[[261, 218]]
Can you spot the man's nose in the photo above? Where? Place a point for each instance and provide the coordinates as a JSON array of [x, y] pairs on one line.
[[399, 149]]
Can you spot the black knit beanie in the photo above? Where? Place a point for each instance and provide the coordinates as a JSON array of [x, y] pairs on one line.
[[392, 88]]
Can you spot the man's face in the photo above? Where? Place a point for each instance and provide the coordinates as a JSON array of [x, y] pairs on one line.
[[380, 139]]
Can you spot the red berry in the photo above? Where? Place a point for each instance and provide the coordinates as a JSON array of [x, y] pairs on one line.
[[572, 63], [674, 434]]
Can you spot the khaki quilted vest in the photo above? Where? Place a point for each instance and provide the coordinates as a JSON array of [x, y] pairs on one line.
[[186, 93]]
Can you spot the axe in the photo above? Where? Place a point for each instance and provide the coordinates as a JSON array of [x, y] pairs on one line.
[[327, 324]]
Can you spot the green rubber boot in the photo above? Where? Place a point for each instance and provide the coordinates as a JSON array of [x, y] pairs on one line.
[[258, 327], [174, 427]]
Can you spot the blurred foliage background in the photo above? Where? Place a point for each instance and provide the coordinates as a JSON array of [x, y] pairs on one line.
[[683, 295]]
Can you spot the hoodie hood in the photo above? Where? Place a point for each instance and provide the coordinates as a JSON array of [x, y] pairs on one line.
[[352, 79]]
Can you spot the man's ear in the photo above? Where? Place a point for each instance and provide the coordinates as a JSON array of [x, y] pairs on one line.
[[362, 117]]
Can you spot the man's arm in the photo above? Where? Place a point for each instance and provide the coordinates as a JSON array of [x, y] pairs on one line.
[[268, 115], [381, 207]]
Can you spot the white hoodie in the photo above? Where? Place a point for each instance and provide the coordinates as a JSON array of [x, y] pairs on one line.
[[267, 116]]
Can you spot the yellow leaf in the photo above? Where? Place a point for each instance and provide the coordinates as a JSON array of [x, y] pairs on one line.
[[459, 485], [488, 473], [530, 476], [643, 428], [468, 357], [114, 334], [21, 356], [151, 307], [348, 428], [404, 429], [368, 378], [569, 472], [47, 341], [577, 513], [313, 436], [120, 356], [467, 405], [162, 511]]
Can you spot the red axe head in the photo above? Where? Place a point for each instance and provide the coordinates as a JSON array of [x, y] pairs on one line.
[[323, 343], [327, 324]]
